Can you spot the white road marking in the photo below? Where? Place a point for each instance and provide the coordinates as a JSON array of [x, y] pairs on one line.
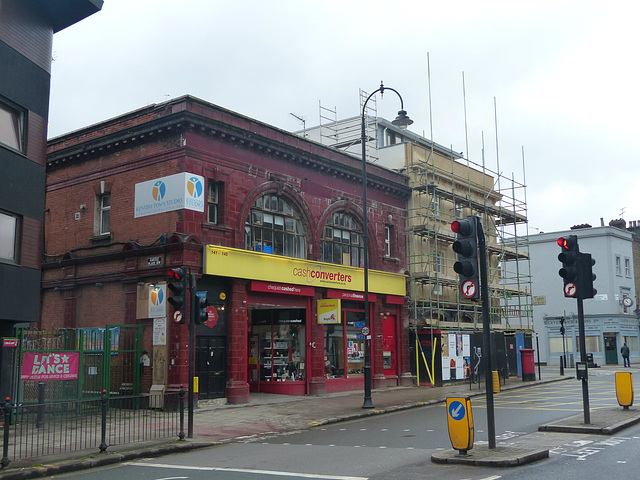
[[246, 470]]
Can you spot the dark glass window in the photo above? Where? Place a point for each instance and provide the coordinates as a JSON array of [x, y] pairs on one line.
[[213, 203], [342, 241], [274, 226], [11, 126], [8, 236]]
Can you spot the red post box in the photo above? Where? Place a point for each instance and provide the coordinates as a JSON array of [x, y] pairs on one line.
[[528, 364]]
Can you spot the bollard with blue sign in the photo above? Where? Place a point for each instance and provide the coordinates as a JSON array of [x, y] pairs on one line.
[[460, 423]]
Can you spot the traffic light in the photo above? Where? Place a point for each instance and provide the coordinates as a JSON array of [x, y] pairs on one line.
[[586, 276], [569, 258], [562, 330], [200, 315], [178, 285], [466, 246]]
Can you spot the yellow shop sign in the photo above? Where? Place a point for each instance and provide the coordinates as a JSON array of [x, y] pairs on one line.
[[237, 263]]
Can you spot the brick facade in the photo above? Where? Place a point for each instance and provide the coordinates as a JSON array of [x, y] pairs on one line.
[[91, 280]]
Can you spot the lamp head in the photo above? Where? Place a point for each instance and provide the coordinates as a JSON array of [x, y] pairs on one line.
[[402, 120]]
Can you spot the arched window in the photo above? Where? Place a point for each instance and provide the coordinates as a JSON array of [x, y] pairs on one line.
[[342, 241], [274, 226]]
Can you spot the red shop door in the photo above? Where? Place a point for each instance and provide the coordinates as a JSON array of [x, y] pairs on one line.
[[389, 345]]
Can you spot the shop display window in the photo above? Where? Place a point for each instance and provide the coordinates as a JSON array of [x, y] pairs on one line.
[[344, 347], [280, 336]]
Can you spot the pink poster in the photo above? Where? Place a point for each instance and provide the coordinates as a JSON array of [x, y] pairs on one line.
[[50, 366]]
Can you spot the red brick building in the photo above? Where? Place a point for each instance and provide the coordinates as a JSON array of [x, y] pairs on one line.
[[269, 225]]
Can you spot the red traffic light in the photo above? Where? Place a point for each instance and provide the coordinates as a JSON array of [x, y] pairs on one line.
[[176, 273], [461, 227], [566, 242]]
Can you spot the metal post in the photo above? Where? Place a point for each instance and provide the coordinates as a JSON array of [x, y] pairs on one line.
[[486, 334], [103, 443], [7, 425], [538, 352], [368, 403], [563, 363], [181, 434], [401, 120], [583, 358], [192, 354]]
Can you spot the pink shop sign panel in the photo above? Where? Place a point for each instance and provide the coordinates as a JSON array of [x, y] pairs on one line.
[[50, 366]]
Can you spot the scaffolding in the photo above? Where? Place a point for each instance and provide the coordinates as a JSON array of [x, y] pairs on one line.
[[448, 187], [346, 134]]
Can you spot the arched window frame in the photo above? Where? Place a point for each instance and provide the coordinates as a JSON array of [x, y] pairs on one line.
[[342, 241], [275, 226]]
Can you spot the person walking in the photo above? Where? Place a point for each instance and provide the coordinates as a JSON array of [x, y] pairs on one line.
[[625, 355]]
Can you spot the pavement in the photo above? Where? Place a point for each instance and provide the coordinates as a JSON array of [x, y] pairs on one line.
[[217, 423]]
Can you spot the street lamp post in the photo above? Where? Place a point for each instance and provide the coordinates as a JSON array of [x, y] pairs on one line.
[[402, 120]]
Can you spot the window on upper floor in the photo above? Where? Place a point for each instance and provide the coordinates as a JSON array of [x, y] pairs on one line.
[[618, 266], [103, 214], [12, 122], [213, 202], [458, 208], [342, 241], [438, 263], [435, 204], [387, 240], [8, 237], [627, 267], [274, 226]]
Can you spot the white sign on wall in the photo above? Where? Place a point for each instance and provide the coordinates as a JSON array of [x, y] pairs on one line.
[[159, 331], [175, 192]]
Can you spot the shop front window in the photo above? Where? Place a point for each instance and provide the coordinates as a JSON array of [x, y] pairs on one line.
[[344, 347], [280, 338]]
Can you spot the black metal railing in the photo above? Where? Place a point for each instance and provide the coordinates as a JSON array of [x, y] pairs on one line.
[[53, 428]]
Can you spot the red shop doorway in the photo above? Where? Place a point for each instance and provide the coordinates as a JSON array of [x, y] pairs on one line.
[[389, 346]]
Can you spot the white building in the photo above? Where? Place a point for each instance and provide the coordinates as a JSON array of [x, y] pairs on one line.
[[610, 317]]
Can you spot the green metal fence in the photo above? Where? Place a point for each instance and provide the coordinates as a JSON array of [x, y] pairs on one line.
[[108, 358]]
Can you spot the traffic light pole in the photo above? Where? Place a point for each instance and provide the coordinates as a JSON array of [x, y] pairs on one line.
[[486, 335], [583, 358], [192, 355]]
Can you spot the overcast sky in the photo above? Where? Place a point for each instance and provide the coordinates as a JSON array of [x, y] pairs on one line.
[[562, 76]]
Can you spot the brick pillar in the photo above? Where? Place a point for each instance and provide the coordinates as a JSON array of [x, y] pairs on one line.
[[315, 356], [130, 303], [178, 338], [379, 380], [404, 365], [70, 298], [237, 389]]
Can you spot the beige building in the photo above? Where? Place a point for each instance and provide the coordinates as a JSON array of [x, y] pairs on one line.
[[446, 187]]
